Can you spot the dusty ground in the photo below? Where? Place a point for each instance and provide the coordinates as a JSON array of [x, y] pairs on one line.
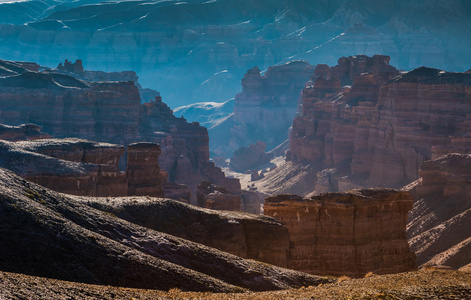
[[424, 284]]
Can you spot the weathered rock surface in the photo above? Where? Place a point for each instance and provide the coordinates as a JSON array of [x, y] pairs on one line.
[[379, 131], [22, 132], [143, 171], [245, 235], [108, 111], [439, 227], [346, 233], [69, 166], [215, 197], [52, 235], [249, 158]]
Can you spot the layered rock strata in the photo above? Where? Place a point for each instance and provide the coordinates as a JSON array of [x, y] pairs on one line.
[[346, 233], [53, 235], [265, 108], [143, 171], [81, 167], [439, 227], [108, 111], [246, 235], [379, 131]]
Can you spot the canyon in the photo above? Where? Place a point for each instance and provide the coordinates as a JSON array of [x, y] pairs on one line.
[[209, 45], [365, 124], [108, 111]]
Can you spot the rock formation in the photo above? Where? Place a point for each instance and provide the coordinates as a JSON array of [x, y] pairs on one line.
[[346, 233], [439, 227], [52, 235], [22, 132], [249, 158], [246, 235], [214, 197], [69, 166], [188, 50], [265, 108], [143, 171], [379, 131], [108, 111]]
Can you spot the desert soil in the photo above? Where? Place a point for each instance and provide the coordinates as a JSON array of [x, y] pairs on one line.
[[423, 284]]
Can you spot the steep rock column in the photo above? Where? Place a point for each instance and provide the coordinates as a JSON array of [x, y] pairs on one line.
[[143, 171], [346, 233]]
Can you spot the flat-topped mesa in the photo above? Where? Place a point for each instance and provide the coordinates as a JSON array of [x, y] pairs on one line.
[[81, 167], [349, 233], [439, 227], [143, 171]]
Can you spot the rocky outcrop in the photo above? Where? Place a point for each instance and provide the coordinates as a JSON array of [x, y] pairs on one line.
[[215, 197], [379, 131], [69, 166], [249, 158], [176, 191], [143, 171], [56, 236], [346, 234], [265, 108], [439, 229], [245, 235], [22, 132], [108, 111]]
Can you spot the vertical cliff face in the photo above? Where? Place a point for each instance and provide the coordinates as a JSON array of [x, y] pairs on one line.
[[439, 227], [265, 108], [346, 234], [109, 111], [143, 171], [379, 131]]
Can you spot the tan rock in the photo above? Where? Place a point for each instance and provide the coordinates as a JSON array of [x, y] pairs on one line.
[[349, 233]]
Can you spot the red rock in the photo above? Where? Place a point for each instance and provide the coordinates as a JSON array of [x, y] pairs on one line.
[[346, 234], [381, 129], [143, 171], [439, 227], [72, 102]]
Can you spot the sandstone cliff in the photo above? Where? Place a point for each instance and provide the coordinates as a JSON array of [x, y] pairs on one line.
[[52, 235], [346, 234], [108, 111], [379, 131], [439, 227]]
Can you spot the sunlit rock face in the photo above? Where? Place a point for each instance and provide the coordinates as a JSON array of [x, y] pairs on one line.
[[438, 229], [197, 51], [109, 111], [349, 233], [379, 131]]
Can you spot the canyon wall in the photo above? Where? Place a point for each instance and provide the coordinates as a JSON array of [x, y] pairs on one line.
[[109, 111], [265, 108], [346, 233], [439, 227], [379, 131]]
